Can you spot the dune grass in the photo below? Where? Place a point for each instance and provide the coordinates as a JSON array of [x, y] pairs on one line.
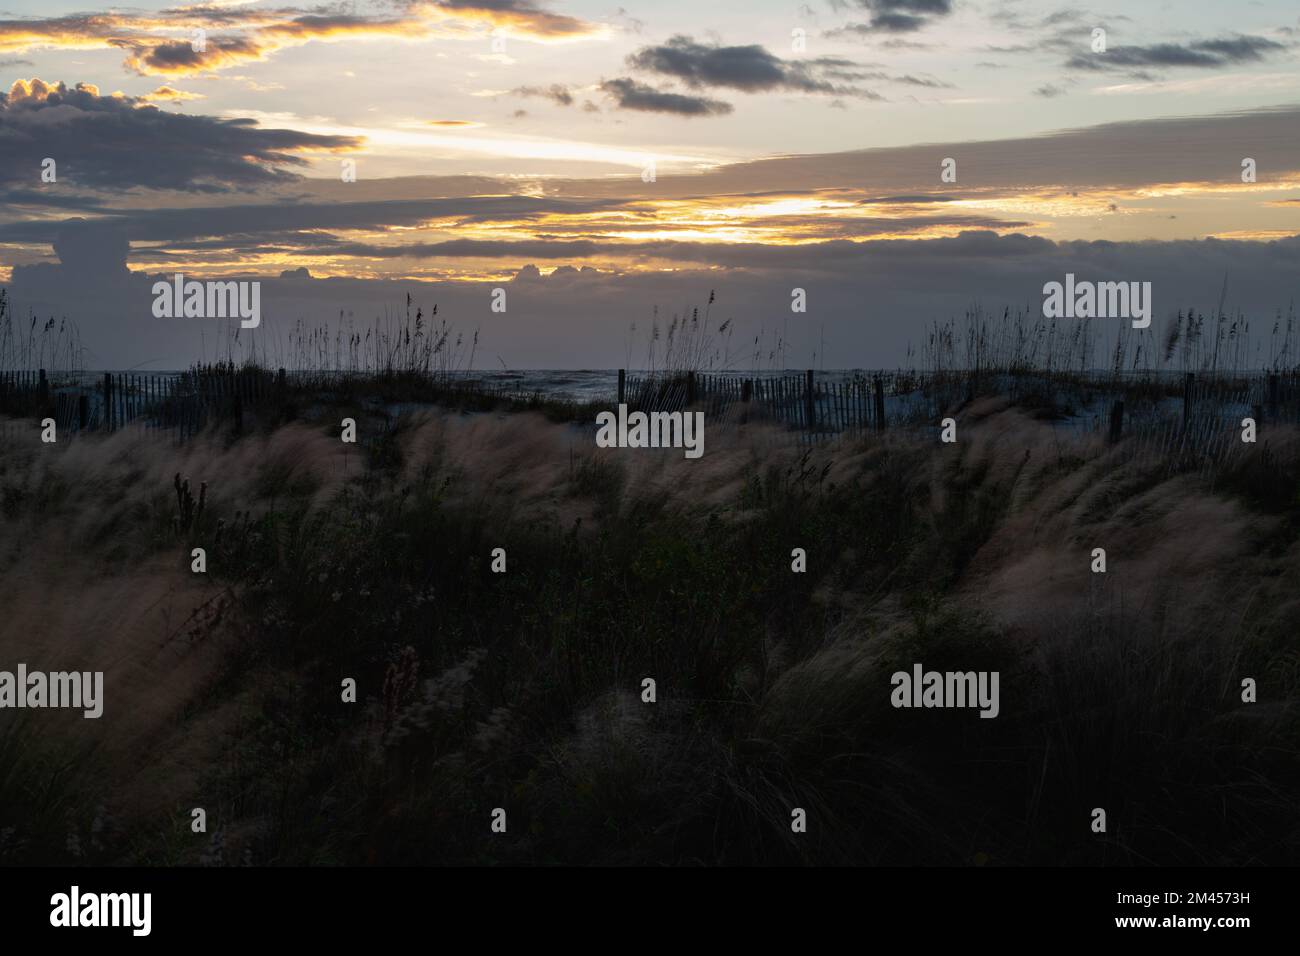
[[523, 690]]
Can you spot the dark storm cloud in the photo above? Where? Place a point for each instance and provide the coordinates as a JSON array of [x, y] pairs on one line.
[[628, 94], [121, 143], [750, 69]]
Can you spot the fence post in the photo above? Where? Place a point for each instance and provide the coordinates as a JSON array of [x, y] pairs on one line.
[[880, 404], [44, 386], [1116, 421], [810, 399], [1272, 396], [108, 400], [1187, 397], [83, 412], [747, 390], [622, 385], [690, 388]]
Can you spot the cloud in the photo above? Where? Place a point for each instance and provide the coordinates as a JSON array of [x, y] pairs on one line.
[[840, 215], [195, 152], [840, 237], [182, 58], [515, 17], [897, 22], [1201, 54], [571, 318], [92, 250], [99, 141], [283, 219], [1050, 91], [49, 200], [166, 42], [1131, 154], [908, 80], [904, 200], [556, 93], [750, 69], [628, 94], [896, 16], [165, 94]]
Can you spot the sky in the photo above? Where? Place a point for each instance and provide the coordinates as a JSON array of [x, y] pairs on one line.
[[610, 165]]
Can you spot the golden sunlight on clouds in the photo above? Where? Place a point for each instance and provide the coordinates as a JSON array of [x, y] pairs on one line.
[[422, 142], [1055, 202], [523, 23], [626, 236], [1283, 184], [620, 239], [1255, 234], [169, 43], [777, 220], [165, 94]]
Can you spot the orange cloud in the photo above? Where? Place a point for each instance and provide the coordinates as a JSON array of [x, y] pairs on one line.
[[165, 94], [516, 18], [37, 90], [184, 41], [183, 58]]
